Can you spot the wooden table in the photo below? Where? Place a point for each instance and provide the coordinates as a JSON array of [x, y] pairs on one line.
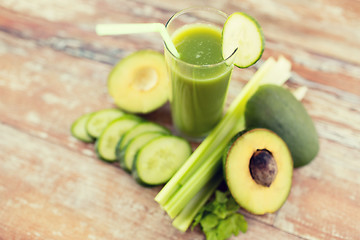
[[53, 68]]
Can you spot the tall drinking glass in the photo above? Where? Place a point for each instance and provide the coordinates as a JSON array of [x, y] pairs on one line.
[[200, 76]]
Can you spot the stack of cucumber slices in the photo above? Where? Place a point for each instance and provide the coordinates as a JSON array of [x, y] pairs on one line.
[[145, 149]]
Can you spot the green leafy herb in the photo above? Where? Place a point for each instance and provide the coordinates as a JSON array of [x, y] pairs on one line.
[[209, 221], [219, 219]]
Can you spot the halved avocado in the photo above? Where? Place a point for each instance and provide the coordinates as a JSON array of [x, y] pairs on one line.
[[258, 170], [139, 82]]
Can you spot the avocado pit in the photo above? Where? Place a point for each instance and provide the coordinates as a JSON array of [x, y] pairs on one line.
[[263, 167]]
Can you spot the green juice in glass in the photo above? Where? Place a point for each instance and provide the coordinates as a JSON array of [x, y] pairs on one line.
[[199, 79]]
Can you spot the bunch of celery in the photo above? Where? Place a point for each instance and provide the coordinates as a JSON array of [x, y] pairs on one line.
[[192, 185]]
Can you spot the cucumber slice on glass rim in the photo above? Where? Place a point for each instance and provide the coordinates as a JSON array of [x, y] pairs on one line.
[[244, 33]]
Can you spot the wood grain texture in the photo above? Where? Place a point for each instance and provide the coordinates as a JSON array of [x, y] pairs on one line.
[[53, 68]]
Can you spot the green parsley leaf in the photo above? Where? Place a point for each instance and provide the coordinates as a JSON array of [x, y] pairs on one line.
[[209, 221], [211, 234], [221, 197], [221, 211], [225, 208], [232, 206], [231, 226], [219, 219]]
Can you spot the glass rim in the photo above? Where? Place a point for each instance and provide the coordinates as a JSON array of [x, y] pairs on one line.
[[186, 10]]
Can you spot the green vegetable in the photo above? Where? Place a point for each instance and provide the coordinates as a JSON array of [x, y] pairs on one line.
[[158, 160], [205, 162], [129, 153], [276, 108], [149, 152], [110, 136], [78, 129], [186, 216], [139, 129], [100, 119], [244, 33], [219, 218]]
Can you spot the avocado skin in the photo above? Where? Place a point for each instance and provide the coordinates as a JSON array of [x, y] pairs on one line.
[[275, 108]]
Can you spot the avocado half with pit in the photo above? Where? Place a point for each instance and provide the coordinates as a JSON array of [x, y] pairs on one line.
[[258, 170], [139, 82]]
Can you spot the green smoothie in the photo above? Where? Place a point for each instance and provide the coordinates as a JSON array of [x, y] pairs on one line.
[[200, 81]]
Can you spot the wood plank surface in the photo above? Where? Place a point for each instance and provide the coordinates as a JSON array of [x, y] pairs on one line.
[[53, 68]]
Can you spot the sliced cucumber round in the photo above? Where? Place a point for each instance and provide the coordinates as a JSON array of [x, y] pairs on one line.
[[100, 119], [78, 129], [159, 159], [106, 144], [139, 83], [128, 155], [244, 33], [139, 129]]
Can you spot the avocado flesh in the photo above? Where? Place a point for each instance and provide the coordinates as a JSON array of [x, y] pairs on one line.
[[253, 195], [139, 82]]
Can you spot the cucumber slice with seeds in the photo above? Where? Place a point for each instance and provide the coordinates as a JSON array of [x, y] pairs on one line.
[[110, 136], [134, 132], [159, 159], [78, 129], [100, 119], [244, 33], [141, 128], [134, 146]]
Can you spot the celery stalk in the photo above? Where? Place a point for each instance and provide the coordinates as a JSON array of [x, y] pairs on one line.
[[204, 173], [192, 186], [279, 74], [186, 216], [300, 92]]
